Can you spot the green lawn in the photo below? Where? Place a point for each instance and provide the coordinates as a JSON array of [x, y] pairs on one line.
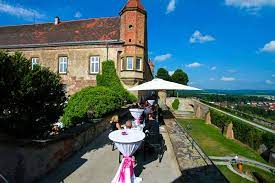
[[269, 177], [215, 144], [232, 177]]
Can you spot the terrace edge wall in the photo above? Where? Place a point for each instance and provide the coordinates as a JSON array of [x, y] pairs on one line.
[[27, 162]]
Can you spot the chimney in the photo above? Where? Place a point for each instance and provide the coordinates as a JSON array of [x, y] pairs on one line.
[[56, 20]]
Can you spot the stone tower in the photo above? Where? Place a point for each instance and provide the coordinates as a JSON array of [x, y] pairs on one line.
[[133, 31]]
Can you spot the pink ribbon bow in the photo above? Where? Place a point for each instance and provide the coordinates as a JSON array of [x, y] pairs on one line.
[[127, 163], [137, 121]]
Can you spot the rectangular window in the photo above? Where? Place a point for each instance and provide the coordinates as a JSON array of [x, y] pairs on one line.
[[138, 64], [63, 65], [35, 61], [94, 64], [130, 61]]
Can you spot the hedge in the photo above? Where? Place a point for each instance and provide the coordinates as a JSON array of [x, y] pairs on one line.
[[98, 100], [176, 104], [109, 79], [244, 132]]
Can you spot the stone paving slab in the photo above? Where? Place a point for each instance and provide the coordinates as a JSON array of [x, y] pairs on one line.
[[97, 163]]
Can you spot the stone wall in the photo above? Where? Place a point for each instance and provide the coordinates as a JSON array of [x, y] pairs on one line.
[[189, 105], [201, 111], [26, 162], [194, 164]]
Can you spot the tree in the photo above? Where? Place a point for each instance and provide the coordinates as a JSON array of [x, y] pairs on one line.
[[31, 100], [110, 79], [163, 74], [180, 77]]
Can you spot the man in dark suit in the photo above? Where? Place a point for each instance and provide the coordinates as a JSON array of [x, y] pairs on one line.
[[151, 124]]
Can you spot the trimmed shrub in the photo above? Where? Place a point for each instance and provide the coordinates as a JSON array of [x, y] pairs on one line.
[[31, 100], [90, 102], [176, 104], [109, 79], [244, 132]]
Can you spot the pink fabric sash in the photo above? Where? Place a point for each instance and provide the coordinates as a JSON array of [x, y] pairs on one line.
[[127, 163], [138, 121]]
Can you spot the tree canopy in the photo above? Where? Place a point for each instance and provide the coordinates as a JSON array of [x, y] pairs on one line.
[[163, 74], [179, 76], [31, 100]]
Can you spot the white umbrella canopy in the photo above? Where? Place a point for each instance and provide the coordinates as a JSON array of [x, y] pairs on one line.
[[160, 84]]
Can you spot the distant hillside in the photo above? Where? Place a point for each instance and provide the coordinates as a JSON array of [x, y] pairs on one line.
[[243, 92], [234, 92]]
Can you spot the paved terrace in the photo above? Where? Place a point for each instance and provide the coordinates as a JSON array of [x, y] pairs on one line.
[[97, 163], [182, 162]]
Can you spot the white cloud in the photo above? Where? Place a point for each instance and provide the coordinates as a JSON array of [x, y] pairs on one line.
[[161, 58], [213, 68], [250, 3], [269, 82], [78, 14], [194, 65], [251, 6], [232, 70], [227, 79], [21, 12], [273, 75], [269, 47], [171, 6], [197, 37], [212, 79], [171, 72]]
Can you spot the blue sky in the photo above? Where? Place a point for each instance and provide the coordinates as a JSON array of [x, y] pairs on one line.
[[221, 44]]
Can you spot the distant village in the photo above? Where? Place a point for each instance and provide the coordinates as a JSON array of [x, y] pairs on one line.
[[269, 104]]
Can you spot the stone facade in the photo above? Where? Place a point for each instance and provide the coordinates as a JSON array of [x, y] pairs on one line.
[[119, 40], [78, 75]]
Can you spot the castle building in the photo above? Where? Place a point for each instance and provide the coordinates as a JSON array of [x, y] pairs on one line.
[[76, 49]]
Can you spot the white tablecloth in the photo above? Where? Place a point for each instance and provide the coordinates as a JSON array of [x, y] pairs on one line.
[[151, 102], [137, 127], [127, 145], [136, 113]]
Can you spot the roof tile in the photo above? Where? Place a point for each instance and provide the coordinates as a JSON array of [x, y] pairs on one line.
[[96, 29]]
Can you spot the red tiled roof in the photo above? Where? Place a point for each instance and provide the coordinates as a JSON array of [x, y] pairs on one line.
[[134, 4], [97, 29]]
